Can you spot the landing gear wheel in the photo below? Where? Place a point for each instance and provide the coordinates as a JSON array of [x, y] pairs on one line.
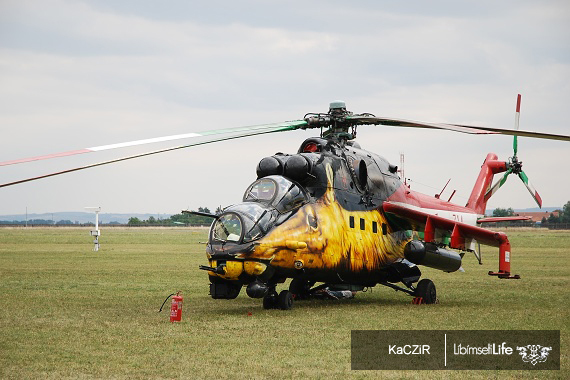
[[426, 290], [285, 300], [270, 300]]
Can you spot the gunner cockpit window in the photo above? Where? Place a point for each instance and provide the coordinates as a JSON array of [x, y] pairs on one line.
[[228, 228]]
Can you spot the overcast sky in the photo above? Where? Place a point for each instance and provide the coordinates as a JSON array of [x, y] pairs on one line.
[[77, 74]]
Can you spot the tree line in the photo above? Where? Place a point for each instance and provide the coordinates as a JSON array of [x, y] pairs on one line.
[[39, 222], [563, 214], [178, 219]]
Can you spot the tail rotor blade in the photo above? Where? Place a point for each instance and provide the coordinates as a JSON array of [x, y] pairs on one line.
[[531, 188], [497, 185], [517, 119]]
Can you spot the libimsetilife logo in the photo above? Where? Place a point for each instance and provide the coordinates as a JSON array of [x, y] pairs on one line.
[[534, 353], [455, 349]]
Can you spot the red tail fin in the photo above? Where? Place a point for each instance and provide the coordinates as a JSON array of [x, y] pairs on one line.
[[489, 168]]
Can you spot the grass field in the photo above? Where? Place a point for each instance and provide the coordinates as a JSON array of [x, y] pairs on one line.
[[69, 312]]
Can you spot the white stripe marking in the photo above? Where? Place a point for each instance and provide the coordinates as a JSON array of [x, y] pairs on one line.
[[146, 141]]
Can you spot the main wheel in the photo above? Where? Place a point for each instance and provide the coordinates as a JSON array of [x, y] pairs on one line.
[[426, 290], [270, 300], [285, 301]]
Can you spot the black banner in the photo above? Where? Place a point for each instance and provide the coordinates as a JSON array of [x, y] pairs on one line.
[[455, 349]]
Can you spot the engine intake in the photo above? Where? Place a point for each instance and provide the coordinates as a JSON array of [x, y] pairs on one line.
[[296, 167]]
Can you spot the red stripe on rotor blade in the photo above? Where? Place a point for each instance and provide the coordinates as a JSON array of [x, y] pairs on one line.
[[538, 199], [38, 158], [217, 139], [519, 103]]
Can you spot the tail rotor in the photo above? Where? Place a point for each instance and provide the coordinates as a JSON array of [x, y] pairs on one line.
[[514, 166]]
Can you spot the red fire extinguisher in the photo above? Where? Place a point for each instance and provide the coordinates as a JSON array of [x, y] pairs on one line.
[[175, 307]]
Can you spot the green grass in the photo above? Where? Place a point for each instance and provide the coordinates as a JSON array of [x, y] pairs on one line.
[[69, 312]]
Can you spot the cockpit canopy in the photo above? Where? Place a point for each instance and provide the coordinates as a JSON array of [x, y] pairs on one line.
[[244, 222], [266, 202], [277, 192]]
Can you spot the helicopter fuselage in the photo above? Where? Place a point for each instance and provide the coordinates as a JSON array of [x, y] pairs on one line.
[[318, 215]]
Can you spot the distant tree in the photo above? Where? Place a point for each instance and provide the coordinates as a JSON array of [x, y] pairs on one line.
[[553, 218], [193, 220], [40, 221], [219, 210], [543, 221], [500, 212], [64, 222], [134, 222], [151, 220], [565, 214]]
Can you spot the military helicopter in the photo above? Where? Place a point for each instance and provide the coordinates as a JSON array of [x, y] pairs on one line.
[[336, 214]]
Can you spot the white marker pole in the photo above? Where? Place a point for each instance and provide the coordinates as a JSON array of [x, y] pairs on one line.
[[96, 232]]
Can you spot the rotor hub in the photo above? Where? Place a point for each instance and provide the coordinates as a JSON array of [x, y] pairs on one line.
[[515, 165], [336, 120]]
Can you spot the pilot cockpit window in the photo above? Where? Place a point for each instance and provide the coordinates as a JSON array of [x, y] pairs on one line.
[[277, 191], [291, 199], [261, 190]]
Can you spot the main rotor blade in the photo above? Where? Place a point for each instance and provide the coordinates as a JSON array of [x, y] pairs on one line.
[[277, 127], [393, 122], [497, 185], [520, 132], [271, 129], [531, 188], [369, 119]]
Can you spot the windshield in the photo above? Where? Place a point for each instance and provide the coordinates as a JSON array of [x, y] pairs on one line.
[[243, 223], [277, 191], [227, 228]]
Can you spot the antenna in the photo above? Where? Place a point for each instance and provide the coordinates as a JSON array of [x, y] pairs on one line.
[[401, 169], [95, 232], [441, 192]]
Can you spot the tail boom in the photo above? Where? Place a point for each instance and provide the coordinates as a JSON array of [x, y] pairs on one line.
[[490, 167]]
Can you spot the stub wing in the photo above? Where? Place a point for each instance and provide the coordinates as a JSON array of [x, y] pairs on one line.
[[459, 231]]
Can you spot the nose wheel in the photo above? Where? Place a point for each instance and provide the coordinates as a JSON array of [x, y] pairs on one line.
[[283, 300]]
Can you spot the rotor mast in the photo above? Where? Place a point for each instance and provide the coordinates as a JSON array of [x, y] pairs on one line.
[[339, 127]]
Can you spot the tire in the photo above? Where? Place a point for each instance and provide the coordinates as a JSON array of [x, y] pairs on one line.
[[426, 290], [285, 300], [270, 301]]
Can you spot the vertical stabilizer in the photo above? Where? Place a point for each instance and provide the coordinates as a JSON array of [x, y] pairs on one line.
[[490, 167]]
